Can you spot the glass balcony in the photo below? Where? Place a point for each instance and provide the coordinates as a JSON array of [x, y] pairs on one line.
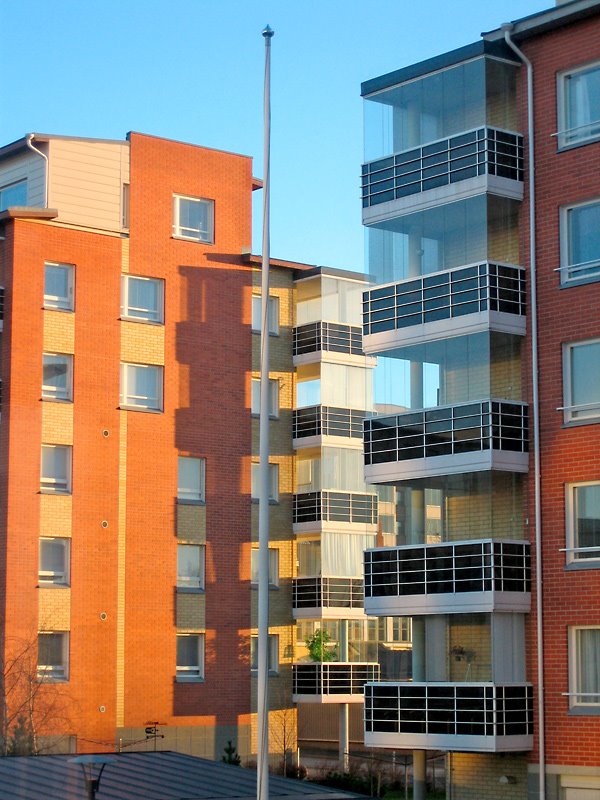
[[331, 682], [333, 337], [327, 421], [448, 578], [349, 508], [469, 717], [470, 437], [327, 597]]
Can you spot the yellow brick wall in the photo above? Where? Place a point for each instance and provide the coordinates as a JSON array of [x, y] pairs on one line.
[[59, 332], [191, 523], [55, 515], [477, 776], [57, 423], [142, 343], [190, 612], [54, 609]]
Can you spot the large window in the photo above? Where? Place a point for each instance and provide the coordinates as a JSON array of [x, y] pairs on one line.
[[191, 479], [272, 313], [193, 218], [579, 105], [55, 473], [583, 523], [59, 282], [15, 194], [581, 381], [53, 656], [273, 397], [273, 566], [54, 561], [580, 243], [142, 299], [190, 657], [273, 482], [584, 667], [142, 387], [273, 653], [190, 566], [57, 376]]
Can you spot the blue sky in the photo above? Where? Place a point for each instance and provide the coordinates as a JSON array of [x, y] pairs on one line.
[[193, 70]]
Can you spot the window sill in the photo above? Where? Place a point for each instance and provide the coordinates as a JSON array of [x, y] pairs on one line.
[[156, 323], [48, 679], [189, 590], [579, 282], [272, 417], [270, 332], [272, 587], [68, 400], [181, 679], [56, 308], [44, 585], [191, 240], [585, 711], [575, 566], [561, 148], [271, 502], [183, 502], [143, 410], [272, 673], [577, 423], [45, 490]]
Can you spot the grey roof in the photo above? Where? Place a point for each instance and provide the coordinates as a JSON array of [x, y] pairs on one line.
[[147, 776]]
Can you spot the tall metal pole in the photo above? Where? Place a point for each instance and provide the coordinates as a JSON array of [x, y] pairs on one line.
[[262, 750]]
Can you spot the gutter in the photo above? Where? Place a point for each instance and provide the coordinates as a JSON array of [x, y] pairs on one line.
[[29, 142]]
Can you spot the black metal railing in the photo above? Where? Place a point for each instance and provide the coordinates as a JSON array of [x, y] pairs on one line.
[[477, 152], [327, 593], [447, 430], [445, 295], [334, 337], [480, 566], [327, 421], [451, 709], [330, 506], [330, 678]]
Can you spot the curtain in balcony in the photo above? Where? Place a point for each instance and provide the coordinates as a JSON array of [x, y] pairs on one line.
[[342, 554]]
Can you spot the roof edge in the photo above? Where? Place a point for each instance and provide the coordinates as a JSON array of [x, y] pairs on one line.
[[557, 16]]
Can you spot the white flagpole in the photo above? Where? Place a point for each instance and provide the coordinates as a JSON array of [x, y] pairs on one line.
[[262, 751]]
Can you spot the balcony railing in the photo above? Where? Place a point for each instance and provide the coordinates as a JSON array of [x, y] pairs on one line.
[[348, 507], [328, 421], [417, 579], [468, 716], [484, 151], [445, 295], [333, 679], [328, 593], [334, 337]]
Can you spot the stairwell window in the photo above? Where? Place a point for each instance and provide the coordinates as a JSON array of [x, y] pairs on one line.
[[55, 473], [580, 243], [272, 314], [142, 299], [191, 479], [141, 387], [579, 105], [59, 286], [581, 381], [57, 376], [273, 482], [190, 657], [190, 566], [53, 656], [193, 219], [584, 668], [273, 397], [273, 654], [273, 567], [54, 561]]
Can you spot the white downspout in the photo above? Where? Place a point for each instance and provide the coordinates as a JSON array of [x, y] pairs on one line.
[[29, 140], [536, 415]]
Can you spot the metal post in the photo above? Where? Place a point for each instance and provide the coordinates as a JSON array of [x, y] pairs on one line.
[[344, 746]]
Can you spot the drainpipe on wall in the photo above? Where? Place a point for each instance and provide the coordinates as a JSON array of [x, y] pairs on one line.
[[507, 27], [29, 141]]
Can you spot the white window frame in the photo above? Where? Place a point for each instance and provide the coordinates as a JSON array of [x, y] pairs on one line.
[[55, 673], [273, 397], [132, 314], [184, 494], [193, 672], [273, 647], [189, 581], [273, 567], [50, 392], [61, 302], [49, 577], [575, 274], [272, 313], [51, 483], [577, 699], [273, 482], [581, 415], [140, 402], [193, 234], [9, 187], [573, 549], [573, 136]]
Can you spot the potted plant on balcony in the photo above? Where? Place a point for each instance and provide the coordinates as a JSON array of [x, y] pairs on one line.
[[319, 648]]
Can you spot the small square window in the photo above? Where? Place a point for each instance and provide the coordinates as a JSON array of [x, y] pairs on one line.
[[273, 397], [191, 479], [53, 656], [273, 482], [190, 657], [55, 474], [193, 218], [273, 566], [57, 376], [583, 523], [273, 646], [14, 194], [190, 566], [142, 299], [54, 561], [581, 381], [579, 105], [272, 313], [584, 667], [59, 280], [142, 387], [580, 243]]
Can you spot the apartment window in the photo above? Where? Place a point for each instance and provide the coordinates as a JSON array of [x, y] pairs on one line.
[[193, 218], [142, 387], [191, 479], [272, 313], [273, 647], [579, 105], [580, 243], [14, 194], [584, 667], [273, 482], [273, 397], [59, 281], [53, 656], [54, 561], [190, 657], [583, 523], [142, 299], [190, 566], [273, 566], [57, 376], [581, 380], [55, 475]]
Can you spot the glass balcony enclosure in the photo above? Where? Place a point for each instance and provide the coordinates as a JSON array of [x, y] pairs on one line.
[[335, 385], [330, 468], [329, 299]]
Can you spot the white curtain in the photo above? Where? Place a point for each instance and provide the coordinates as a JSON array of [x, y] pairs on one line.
[[342, 554]]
